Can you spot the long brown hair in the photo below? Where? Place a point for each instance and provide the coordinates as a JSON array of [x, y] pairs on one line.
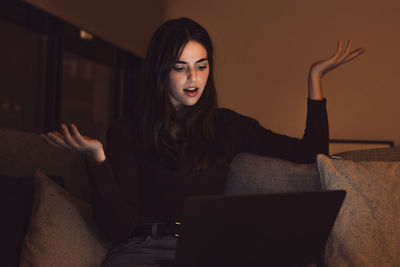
[[191, 131]]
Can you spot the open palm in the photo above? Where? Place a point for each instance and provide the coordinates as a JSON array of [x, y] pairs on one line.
[[74, 142], [320, 68]]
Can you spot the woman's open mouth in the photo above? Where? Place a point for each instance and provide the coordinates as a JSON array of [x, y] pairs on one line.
[[191, 92]]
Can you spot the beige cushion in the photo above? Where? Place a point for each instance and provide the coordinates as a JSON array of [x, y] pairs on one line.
[[61, 231], [367, 230]]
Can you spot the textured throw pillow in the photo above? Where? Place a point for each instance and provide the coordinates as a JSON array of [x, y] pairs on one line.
[[367, 229], [16, 196], [251, 173], [15, 208], [61, 231]]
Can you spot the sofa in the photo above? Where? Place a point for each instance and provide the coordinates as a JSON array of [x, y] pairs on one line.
[[47, 218]]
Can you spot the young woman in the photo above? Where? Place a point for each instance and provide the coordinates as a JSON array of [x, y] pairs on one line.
[[178, 143]]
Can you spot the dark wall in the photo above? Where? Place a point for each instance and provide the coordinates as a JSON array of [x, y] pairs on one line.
[[50, 75]]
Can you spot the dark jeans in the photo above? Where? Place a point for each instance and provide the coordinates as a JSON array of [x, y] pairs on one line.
[[142, 251]]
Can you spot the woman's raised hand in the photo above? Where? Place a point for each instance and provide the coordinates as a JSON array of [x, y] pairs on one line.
[[76, 142], [321, 67]]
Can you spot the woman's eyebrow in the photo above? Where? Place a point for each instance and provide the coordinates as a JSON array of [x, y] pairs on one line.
[[184, 62]]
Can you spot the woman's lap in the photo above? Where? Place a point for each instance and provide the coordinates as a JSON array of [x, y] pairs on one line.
[[142, 251]]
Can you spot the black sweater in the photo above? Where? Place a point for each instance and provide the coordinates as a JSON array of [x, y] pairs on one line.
[[128, 189]]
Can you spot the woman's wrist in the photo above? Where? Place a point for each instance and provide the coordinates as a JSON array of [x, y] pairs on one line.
[[97, 157], [314, 87]]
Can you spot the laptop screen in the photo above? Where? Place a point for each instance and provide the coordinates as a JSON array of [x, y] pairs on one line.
[[261, 229]]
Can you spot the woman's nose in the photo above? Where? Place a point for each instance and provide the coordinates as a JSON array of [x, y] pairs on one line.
[[192, 75]]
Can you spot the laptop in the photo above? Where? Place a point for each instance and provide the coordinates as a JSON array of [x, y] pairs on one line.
[[286, 229]]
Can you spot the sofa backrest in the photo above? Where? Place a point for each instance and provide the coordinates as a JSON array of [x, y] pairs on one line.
[[22, 153], [377, 154], [258, 174]]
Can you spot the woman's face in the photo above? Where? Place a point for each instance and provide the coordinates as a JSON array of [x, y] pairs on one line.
[[188, 77]]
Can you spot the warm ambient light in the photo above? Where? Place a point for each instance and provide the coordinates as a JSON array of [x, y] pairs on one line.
[[85, 35]]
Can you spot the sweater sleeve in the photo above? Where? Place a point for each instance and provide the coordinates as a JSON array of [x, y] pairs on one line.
[[249, 136], [114, 185]]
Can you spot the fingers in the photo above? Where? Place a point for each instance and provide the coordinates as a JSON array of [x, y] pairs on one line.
[[354, 54], [49, 141], [58, 134], [349, 43], [78, 137], [337, 53], [75, 141], [346, 52], [63, 140], [69, 139], [320, 68], [58, 139], [349, 55]]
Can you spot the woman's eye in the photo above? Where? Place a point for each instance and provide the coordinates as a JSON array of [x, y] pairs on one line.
[[202, 67], [177, 68]]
